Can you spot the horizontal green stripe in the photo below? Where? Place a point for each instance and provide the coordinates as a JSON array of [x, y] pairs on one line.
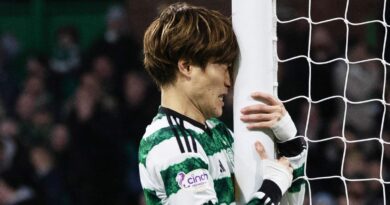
[[296, 186], [169, 175], [220, 140], [299, 171], [225, 190], [151, 197], [149, 142]]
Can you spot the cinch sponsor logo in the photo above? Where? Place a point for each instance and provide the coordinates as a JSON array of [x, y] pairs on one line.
[[193, 179]]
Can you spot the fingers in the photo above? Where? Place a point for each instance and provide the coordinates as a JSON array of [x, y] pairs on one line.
[[260, 117], [260, 125], [271, 104], [261, 108], [261, 150], [286, 163], [283, 161], [261, 121], [265, 97]]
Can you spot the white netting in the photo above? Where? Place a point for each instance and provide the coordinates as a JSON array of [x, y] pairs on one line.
[[355, 136]]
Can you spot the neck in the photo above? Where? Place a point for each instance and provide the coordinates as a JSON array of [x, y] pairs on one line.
[[175, 99]]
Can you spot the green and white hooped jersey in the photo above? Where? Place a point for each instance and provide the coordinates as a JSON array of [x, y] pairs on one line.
[[182, 161]]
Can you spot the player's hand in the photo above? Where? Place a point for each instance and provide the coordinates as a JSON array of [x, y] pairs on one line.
[[270, 114], [260, 116], [279, 171]]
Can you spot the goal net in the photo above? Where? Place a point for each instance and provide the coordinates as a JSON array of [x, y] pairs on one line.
[[332, 59], [332, 73]]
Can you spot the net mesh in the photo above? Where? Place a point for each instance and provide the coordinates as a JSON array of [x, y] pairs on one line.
[[336, 92]]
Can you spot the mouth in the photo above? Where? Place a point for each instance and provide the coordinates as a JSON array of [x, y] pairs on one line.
[[222, 97]]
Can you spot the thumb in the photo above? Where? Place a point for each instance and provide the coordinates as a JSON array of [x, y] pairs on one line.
[[260, 150]]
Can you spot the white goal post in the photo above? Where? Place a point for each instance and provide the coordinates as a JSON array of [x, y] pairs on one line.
[[255, 27]]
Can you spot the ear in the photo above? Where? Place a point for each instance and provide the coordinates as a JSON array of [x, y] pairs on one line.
[[184, 67]]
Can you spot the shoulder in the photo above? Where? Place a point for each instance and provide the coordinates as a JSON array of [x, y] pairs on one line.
[[161, 161], [160, 145], [157, 135], [219, 126]]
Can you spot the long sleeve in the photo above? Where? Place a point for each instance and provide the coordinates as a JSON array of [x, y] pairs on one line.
[[296, 152], [269, 193]]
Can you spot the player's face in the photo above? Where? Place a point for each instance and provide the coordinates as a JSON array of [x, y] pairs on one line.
[[211, 85]]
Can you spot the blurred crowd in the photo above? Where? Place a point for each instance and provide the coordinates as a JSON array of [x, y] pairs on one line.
[[347, 118], [71, 120]]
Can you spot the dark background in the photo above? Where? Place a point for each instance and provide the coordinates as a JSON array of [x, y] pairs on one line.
[[75, 100]]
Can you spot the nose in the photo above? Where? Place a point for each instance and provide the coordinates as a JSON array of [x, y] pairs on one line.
[[227, 79]]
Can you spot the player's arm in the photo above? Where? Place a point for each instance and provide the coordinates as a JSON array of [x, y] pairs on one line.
[[273, 115], [277, 175], [179, 178], [189, 182], [185, 179], [277, 179]]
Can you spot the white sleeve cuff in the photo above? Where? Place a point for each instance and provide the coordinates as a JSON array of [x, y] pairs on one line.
[[277, 173], [284, 129]]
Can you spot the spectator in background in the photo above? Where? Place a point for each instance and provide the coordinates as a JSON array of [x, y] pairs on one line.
[[37, 66], [356, 194], [11, 47], [35, 87], [59, 145], [323, 48], [24, 111], [66, 56], [32, 111], [323, 45], [48, 176], [25, 108], [97, 154], [17, 184], [104, 72], [292, 76], [116, 50], [360, 87], [65, 64], [40, 127], [137, 107], [59, 139], [33, 93], [9, 52], [117, 43]]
